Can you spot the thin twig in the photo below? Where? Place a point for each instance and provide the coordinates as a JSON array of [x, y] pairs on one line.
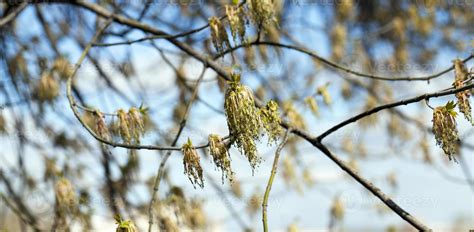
[[161, 169], [5, 20], [340, 67], [270, 180], [73, 105], [391, 105], [183, 34]]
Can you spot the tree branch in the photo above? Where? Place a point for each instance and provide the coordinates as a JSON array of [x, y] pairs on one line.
[[270, 180], [340, 67], [391, 105], [161, 169]]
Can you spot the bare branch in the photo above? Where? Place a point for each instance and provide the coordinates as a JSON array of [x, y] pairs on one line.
[[270, 180], [391, 105]]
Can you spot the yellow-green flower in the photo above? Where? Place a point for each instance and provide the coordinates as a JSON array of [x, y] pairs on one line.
[[218, 35], [243, 119], [270, 117], [124, 226], [236, 17], [124, 126], [192, 165], [220, 155], [444, 128], [137, 128], [263, 11], [461, 76]]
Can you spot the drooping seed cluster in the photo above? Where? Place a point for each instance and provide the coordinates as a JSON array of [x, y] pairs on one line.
[[461, 77], [100, 126], [220, 155], [192, 165], [444, 128]]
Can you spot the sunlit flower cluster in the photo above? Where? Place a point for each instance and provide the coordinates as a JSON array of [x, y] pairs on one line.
[[294, 118], [462, 76], [270, 117], [65, 195], [219, 35], [243, 119], [47, 88], [124, 225], [62, 67], [220, 155], [263, 12], [100, 126], [444, 128], [130, 124], [237, 21], [192, 165]]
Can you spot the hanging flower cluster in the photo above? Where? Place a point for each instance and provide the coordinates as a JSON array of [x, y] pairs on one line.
[[192, 165], [124, 226], [313, 105], [461, 78], [246, 121], [295, 119], [263, 12], [130, 124], [62, 67], [243, 119], [100, 126], [444, 128], [220, 155], [65, 195], [237, 21], [271, 120], [219, 35], [47, 88]]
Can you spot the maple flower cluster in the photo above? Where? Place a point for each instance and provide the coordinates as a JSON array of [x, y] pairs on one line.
[[261, 12], [461, 79], [246, 121], [130, 124], [192, 165], [444, 128], [220, 155]]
